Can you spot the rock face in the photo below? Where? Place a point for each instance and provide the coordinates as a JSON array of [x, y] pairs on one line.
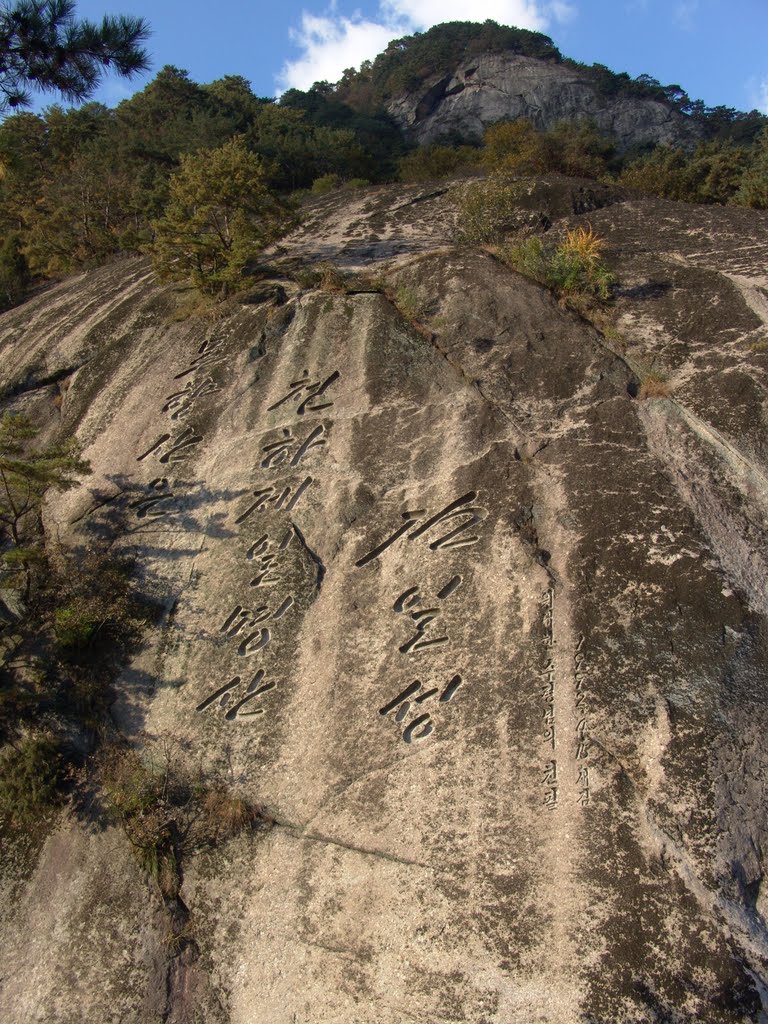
[[504, 86], [482, 632]]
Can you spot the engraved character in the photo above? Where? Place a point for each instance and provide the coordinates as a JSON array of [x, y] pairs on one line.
[[280, 451], [423, 617], [224, 696], [311, 390], [460, 509], [149, 507], [284, 500], [411, 694], [172, 447], [181, 402]]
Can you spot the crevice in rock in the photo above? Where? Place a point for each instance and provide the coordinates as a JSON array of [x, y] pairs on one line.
[[316, 837], [25, 387], [313, 556]]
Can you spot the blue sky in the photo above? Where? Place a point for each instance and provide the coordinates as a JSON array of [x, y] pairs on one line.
[[716, 49]]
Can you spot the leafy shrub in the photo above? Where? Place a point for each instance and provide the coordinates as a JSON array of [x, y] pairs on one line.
[[574, 267], [219, 216], [515, 147], [431, 163], [573, 148], [31, 777], [488, 210], [753, 185], [325, 183], [94, 597], [166, 810], [714, 173], [578, 149], [357, 183]]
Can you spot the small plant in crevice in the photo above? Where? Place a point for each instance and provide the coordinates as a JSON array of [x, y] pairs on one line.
[[572, 268], [407, 300], [167, 809], [654, 384]]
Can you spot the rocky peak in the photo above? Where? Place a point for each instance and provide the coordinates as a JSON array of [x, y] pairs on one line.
[[503, 86]]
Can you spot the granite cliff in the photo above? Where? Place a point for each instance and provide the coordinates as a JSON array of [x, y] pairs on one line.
[[481, 629], [494, 87]]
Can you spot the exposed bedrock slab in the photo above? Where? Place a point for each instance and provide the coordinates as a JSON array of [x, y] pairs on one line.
[[442, 608]]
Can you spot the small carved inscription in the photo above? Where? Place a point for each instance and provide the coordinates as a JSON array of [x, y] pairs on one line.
[[582, 741], [547, 674]]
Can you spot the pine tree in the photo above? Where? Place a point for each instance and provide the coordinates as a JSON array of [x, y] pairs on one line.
[[44, 47], [25, 477], [220, 215]]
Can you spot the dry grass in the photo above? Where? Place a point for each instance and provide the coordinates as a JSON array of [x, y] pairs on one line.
[[654, 384], [226, 814], [584, 244]]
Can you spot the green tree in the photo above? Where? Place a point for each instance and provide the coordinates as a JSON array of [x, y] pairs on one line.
[[515, 147], [14, 272], [219, 216], [43, 46], [25, 477], [578, 149], [753, 186]]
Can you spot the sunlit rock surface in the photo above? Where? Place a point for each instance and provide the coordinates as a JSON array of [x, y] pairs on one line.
[[496, 87], [483, 633]]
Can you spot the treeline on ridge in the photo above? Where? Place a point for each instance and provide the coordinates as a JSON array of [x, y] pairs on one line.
[[78, 186], [81, 186]]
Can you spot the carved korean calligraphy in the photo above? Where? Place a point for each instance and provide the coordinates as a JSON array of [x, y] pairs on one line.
[[281, 499], [420, 725], [410, 602], [424, 606], [181, 403], [234, 698], [461, 509], [306, 393], [265, 553], [252, 629], [241, 622], [209, 353], [158, 503], [172, 449]]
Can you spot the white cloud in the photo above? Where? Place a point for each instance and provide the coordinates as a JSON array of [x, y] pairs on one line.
[[330, 46], [330, 43]]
